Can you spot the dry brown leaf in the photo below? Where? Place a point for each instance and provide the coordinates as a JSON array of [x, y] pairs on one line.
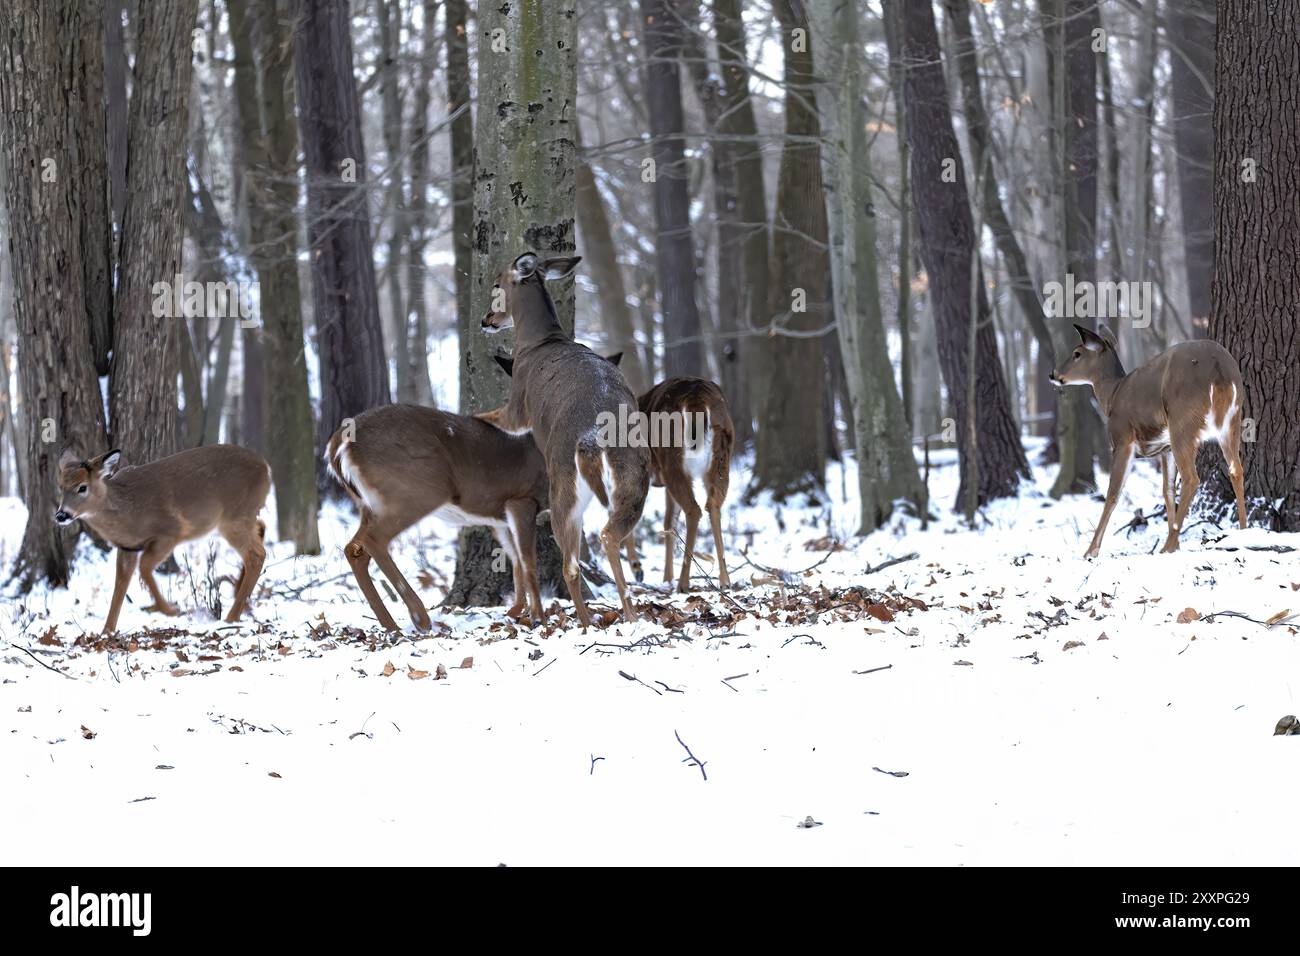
[[88, 733], [1188, 615], [182, 656], [412, 673], [389, 669], [50, 638], [1279, 616], [440, 673], [467, 663], [880, 612], [275, 775], [1071, 645], [180, 672]]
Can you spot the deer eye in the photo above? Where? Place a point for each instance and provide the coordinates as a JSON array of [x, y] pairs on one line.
[[81, 489], [1077, 353]]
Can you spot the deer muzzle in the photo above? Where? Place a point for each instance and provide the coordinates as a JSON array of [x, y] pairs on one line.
[[62, 517]]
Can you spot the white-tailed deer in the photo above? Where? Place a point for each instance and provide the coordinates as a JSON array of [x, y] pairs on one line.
[[1188, 394], [561, 391], [145, 511], [691, 436], [402, 462]]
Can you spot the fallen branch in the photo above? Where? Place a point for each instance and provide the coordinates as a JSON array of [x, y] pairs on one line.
[[891, 562], [627, 676], [690, 757], [1269, 623], [41, 662], [874, 669]]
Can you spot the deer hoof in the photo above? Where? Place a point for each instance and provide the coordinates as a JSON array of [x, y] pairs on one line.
[[171, 610], [1169, 548], [1091, 553]]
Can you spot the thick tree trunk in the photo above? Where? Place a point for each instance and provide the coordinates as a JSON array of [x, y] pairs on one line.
[[524, 163], [388, 14], [269, 144], [947, 245], [146, 347], [1257, 247], [41, 116], [886, 467], [345, 302], [462, 168], [1190, 27], [749, 228], [674, 246], [791, 448]]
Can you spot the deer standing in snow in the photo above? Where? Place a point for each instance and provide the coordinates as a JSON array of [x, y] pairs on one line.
[[145, 511], [400, 463], [560, 392], [1188, 394]]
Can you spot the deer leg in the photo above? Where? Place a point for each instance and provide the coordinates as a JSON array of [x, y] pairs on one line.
[[692, 512], [1232, 455], [1118, 472], [126, 564], [379, 551], [1185, 456], [246, 538], [522, 518], [358, 555], [715, 519], [568, 537], [1167, 486], [609, 537], [152, 556], [633, 559], [670, 534], [506, 538]]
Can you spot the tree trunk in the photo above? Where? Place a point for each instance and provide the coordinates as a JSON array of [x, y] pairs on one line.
[[389, 18], [524, 163], [947, 245], [269, 143], [41, 115], [674, 247], [791, 450], [146, 347], [345, 302], [886, 467], [1190, 28], [749, 228], [462, 170], [1257, 246]]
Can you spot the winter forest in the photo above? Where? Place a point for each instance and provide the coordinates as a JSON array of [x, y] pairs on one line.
[[978, 319]]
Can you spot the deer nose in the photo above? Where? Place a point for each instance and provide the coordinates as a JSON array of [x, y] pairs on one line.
[[62, 517]]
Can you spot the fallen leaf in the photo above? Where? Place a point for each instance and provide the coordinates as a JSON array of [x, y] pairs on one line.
[[180, 672], [880, 612], [1071, 645], [440, 673], [467, 663], [275, 775], [88, 733], [1188, 615], [412, 673], [50, 638], [389, 669], [1279, 616]]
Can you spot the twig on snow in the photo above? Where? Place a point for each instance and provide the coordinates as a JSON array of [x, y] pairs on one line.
[[874, 669], [41, 662], [690, 757]]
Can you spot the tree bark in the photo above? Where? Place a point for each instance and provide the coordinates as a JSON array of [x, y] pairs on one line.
[[146, 348], [42, 116], [462, 169], [345, 302], [947, 244], [791, 448], [388, 14], [674, 246], [1257, 247], [524, 163]]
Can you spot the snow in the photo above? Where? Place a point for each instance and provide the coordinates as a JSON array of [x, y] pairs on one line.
[[1148, 743]]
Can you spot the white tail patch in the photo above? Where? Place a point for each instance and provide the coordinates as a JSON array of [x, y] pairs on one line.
[[1218, 431], [346, 470], [696, 461]]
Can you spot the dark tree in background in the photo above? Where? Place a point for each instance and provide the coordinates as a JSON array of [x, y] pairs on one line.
[[791, 446], [1190, 28], [947, 243], [674, 246], [1257, 251], [345, 302], [44, 131]]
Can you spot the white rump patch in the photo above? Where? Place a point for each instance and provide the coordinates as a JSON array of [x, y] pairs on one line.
[[697, 460], [454, 515], [1218, 431], [347, 468]]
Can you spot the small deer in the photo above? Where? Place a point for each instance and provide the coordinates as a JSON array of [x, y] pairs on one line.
[[400, 463], [563, 393], [145, 511], [691, 436], [1189, 394]]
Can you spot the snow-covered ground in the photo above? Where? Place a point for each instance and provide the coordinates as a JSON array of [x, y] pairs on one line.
[[996, 699]]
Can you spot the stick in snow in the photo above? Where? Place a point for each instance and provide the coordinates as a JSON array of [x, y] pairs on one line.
[[690, 757]]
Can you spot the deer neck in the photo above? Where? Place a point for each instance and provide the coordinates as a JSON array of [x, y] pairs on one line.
[[1106, 384], [535, 318]]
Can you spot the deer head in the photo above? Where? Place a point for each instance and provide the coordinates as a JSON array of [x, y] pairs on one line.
[[1093, 360], [82, 484], [527, 270]]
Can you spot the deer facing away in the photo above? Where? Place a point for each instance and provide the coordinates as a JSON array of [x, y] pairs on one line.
[[559, 391], [1189, 394], [400, 463], [675, 464], [145, 511]]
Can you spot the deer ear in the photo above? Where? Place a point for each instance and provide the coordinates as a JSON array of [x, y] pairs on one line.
[[524, 266], [506, 362], [559, 267], [69, 459], [1089, 338], [107, 464], [1106, 335], [614, 359]]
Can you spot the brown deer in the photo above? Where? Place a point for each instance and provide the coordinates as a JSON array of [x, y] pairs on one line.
[[400, 463], [145, 511], [701, 448], [1188, 394], [567, 395]]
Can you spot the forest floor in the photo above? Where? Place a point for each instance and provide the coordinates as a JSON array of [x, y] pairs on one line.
[[995, 699]]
